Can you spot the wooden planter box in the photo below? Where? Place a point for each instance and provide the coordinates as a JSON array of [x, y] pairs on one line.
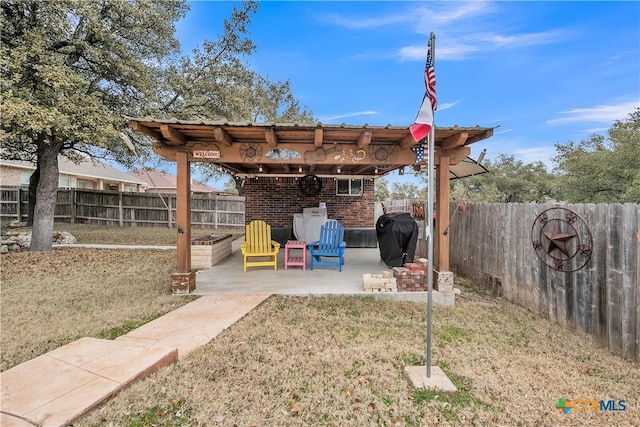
[[206, 253]]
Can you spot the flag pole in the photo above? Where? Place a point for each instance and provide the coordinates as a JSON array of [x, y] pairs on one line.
[[429, 221]]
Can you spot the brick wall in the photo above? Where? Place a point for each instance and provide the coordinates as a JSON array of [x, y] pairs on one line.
[[10, 176], [275, 201]]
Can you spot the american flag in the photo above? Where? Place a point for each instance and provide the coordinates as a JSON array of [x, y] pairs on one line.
[[430, 78], [424, 120]]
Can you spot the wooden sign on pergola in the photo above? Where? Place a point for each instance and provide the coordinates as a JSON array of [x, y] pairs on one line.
[[281, 149]]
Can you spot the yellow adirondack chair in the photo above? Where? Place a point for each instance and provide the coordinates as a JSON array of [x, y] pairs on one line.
[[258, 243]]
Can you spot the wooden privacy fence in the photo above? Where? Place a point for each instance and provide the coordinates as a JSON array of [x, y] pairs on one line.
[[491, 244], [130, 209]]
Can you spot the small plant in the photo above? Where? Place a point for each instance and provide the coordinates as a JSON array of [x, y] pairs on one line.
[[410, 359], [451, 333], [386, 400], [352, 332], [519, 337], [113, 333], [175, 413]]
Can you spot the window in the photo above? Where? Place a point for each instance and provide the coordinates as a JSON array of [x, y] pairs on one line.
[[349, 187], [81, 184], [64, 182], [24, 178]]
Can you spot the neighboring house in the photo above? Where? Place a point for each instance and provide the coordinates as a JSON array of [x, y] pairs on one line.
[[88, 174], [163, 182]]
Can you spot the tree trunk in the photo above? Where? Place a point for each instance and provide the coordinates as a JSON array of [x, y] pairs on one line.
[[31, 197], [239, 185], [46, 195]]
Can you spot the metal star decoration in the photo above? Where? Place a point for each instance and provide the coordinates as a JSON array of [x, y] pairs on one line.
[[558, 240]]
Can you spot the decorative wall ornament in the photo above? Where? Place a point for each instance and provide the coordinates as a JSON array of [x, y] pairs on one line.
[[357, 155], [419, 151], [562, 239], [250, 152], [383, 156], [310, 185], [282, 154], [319, 154]]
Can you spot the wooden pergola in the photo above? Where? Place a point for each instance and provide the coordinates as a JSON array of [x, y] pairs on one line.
[[296, 150]]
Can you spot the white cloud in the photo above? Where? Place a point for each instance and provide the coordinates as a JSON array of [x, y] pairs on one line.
[[496, 41], [425, 18], [361, 22], [348, 115], [599, 113], [461, 30], [459, 11], [457, 48], [448, 51], [542, 154], [446, 105]]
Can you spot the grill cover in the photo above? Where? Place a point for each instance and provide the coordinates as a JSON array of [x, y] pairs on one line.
[[397, 235]]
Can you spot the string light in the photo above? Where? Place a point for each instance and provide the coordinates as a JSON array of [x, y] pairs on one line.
[[260, 168], [299, 169], [339, 169]]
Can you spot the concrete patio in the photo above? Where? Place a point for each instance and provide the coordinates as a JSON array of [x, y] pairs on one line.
[[227, 277]]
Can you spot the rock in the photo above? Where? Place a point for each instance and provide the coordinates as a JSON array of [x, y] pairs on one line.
[[63, 238], [17, 224], [16, 240], [4, 249], [23, 239]]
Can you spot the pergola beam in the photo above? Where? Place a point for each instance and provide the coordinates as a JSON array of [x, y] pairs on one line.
[[454, 141], [145, 130], [270, 136], [222, 136], [364, 139], [484, 135], [172, 134], [318, 138], [407, 142]]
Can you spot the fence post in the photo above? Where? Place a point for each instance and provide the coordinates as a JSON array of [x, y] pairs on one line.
[[215, 218], [169, 207], [120, 210], [72, 212], [19, 209]]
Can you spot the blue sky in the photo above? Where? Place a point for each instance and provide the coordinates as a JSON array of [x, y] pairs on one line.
[[541, 72]]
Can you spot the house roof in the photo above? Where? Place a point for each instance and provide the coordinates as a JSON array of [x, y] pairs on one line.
[[88, 168], [296, 149], [166, 181]]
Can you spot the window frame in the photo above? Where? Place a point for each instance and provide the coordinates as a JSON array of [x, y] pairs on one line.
[[61, 179], [350, 190]]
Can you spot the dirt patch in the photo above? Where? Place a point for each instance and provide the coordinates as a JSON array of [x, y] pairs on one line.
[[340, 361]]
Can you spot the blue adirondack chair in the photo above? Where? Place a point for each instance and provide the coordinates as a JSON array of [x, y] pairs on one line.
[[330, 245]]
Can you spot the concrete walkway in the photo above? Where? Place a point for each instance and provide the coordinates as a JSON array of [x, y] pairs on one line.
[[58, 387]]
